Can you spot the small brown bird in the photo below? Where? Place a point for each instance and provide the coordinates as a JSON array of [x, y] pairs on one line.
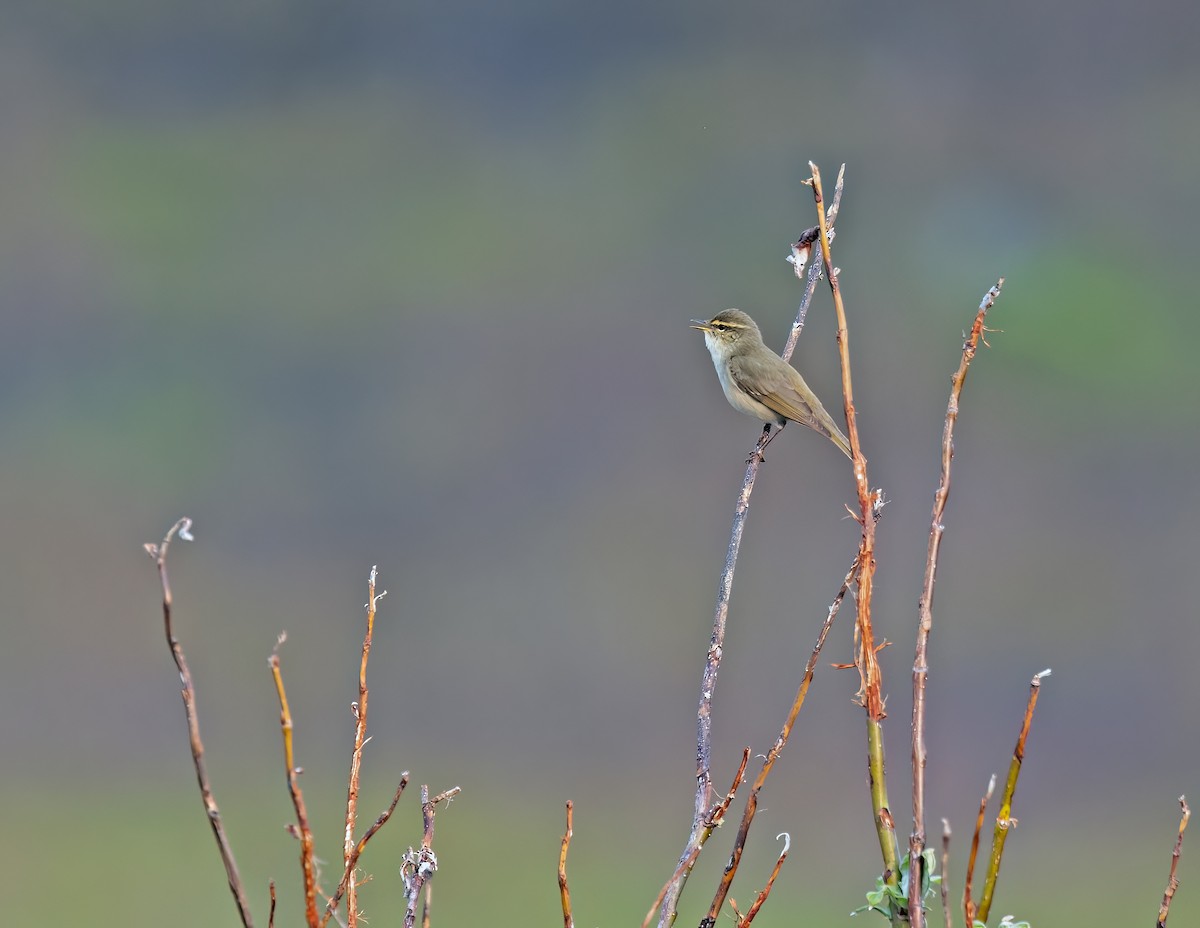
[[759, 382]]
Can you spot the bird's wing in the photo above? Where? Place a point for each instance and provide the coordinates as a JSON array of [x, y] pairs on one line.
[[776, 390]]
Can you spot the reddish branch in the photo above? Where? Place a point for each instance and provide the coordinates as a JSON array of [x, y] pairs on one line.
[[968, 903], [303, 830], [563, 891], [746, 919], [360, 736], [870, 504], [702, 808], [182, 528], [916, 843], [1172, 881]]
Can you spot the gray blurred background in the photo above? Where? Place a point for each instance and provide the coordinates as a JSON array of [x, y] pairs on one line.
[[408, 285]]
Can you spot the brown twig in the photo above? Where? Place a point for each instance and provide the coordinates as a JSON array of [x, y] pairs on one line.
[[418, 866], [360, 737], [712, 665], [746, 919], [916, 842], [427, 905], [870, 505], [772, 755], [1172, 881], [563, 891], [356, 853], [1004, 819], [968, 903], [182, 529], [303, 830], [271, 916], [713, 820]]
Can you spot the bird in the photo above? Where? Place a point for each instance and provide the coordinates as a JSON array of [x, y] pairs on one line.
[[759, 382]]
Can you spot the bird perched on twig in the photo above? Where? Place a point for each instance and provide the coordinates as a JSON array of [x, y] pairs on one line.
[[759, 382]]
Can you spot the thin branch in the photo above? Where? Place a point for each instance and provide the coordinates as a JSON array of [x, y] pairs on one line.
[[182, 529], [946, 872], [968, 903], [352, 861], [870, 505], [271, 916], [1172, 881], [713, 820], [916, 842], [766, 890], [418, 866], [303, 830], [712, 665], [1004, 819], [360, 737], [563, 891], [772, 755], [427, 905]]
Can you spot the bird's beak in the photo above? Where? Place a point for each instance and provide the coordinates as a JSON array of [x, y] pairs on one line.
[[701, 325]]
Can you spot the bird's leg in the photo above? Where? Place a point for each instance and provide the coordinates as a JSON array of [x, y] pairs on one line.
[[763, 440]]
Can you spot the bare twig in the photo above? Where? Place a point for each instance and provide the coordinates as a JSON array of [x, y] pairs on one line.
[[360, 736], [1004, 819], [182, 529], [870, 505], [418, 866], [916, 842], [352, 860], [1172, 881], [968, 903], [946, 872], [303, 830], [712, 665], [427, 905], [563, 891], [772, 755], [271, 916], [766, 890]]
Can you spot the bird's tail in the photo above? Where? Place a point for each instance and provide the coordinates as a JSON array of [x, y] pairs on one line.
[[836, 436]]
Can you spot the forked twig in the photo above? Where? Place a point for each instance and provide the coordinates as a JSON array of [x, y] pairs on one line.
[[916, 841], [712, 665], [352, 860], [182, 529], [419, 866], [746, 919], [712, 820], [303, 830], [563, 891], [1004, 820], [1172, 881], [751, 807]]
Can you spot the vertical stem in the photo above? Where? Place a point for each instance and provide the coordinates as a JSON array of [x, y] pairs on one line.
[[865, 658]]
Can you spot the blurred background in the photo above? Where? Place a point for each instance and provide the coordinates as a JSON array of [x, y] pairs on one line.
[[409, 285]]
